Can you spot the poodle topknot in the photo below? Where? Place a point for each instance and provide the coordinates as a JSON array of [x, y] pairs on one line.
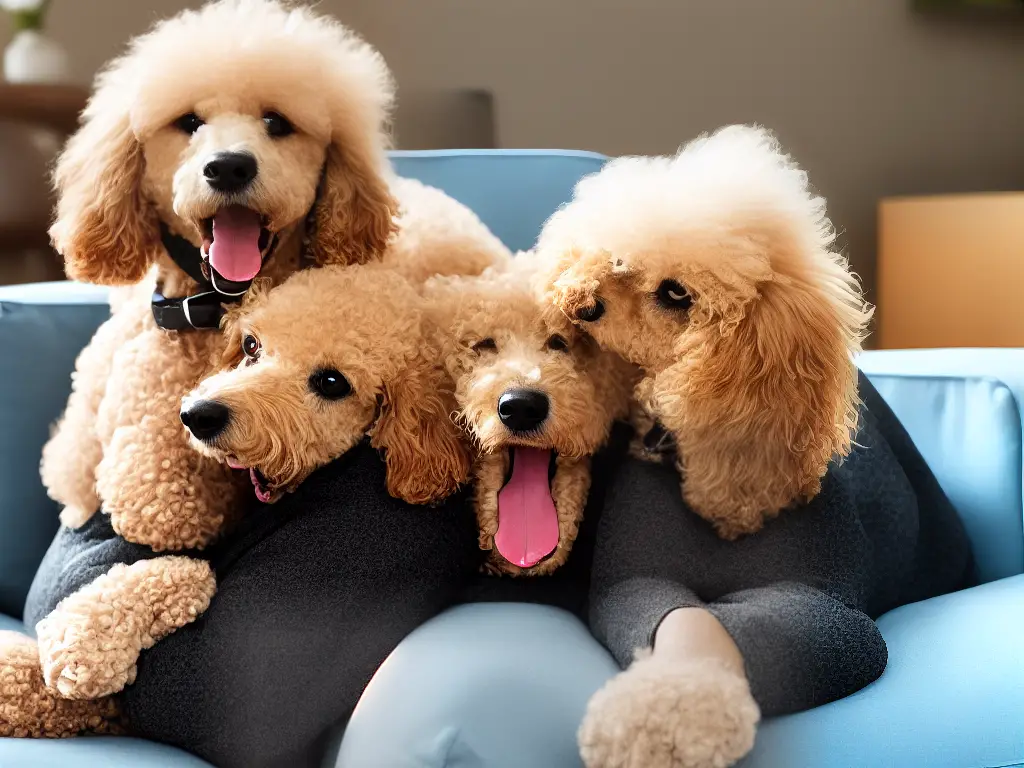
[[537, 398], [225, 124], [301, 388], [715, 271]]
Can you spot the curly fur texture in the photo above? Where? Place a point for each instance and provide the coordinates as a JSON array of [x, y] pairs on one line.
[[752, 372], [377, 340], [29, 709], [91, 641], [526, 347], [128, 169], [670, 713]]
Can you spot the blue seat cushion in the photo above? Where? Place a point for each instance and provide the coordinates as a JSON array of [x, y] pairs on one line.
[[952, 695], [963, 407], [11, 623], [93, 752]]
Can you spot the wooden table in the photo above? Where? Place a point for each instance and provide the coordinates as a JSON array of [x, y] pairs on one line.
[[951, 271]]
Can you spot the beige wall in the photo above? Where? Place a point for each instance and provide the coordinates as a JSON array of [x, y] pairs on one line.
[[873, 98]]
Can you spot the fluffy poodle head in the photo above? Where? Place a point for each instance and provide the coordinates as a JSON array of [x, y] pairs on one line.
[[228, 123], [309, 373], [534, 395], [524, 376], [714, 270]]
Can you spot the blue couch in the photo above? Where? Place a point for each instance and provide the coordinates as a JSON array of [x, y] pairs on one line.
[[503, 686]]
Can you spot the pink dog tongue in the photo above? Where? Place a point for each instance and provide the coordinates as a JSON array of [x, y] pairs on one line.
[[235, 250], [527, 519]]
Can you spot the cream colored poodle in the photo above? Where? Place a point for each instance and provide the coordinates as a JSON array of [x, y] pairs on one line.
[[537, 399], [264, 154], [715, 271]]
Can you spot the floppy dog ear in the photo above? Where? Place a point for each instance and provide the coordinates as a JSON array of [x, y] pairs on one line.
[[426, 456], [762, 408], [355, 216], [104, 229]]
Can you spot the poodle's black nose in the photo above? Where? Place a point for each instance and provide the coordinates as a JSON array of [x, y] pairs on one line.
[[230, 171], [206, 418], [523, 410]]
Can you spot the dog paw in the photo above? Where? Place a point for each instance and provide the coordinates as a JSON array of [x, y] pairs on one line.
[[670, 714], [87, 655]]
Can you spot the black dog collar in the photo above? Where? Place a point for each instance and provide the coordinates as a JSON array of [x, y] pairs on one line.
[[203, 310]]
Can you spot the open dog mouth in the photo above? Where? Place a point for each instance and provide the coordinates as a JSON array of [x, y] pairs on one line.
[[527, 516], [264, 488], [236, 242]]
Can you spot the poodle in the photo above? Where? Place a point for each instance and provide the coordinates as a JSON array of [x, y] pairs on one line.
[[537, 399], [714, 270], [188, 178], [289, 402]]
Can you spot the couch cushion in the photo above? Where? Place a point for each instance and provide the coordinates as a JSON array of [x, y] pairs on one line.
[[512, 191], [963, 410], [952, 695], [42, 330], [93, 752], [11, 623]]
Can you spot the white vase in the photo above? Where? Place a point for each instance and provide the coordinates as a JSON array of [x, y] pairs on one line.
[[32, 57]]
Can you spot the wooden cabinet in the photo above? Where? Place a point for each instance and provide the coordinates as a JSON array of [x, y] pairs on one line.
[[951, 271], [34, 121]]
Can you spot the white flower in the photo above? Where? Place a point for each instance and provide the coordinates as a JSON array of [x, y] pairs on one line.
[[21, 5]]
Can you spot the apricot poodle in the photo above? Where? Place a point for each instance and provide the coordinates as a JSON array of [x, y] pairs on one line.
[[190, 176], [290, 401], [715, 271], [537, 399]]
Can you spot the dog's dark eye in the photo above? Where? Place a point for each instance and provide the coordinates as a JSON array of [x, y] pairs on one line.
[[277, 125], [251, 347], [558, 343], [329, 384], [188, 123], [673, 295], [485, 345], [592, 313]]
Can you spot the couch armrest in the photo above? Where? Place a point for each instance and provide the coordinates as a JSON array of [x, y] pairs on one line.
[[963, 410], [42, 329]]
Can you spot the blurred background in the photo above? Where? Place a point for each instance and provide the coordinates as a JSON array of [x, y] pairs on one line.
[[908, 115]]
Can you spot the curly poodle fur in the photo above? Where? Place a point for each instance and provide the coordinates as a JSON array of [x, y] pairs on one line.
[[90, 642], [670, 713], [498, 339], [384, 379], [159, 113], [715, 271], [28, 709]]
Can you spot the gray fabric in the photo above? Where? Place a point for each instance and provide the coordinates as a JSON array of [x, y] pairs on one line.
[[75, 558], [797, 597], [313, 593]]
